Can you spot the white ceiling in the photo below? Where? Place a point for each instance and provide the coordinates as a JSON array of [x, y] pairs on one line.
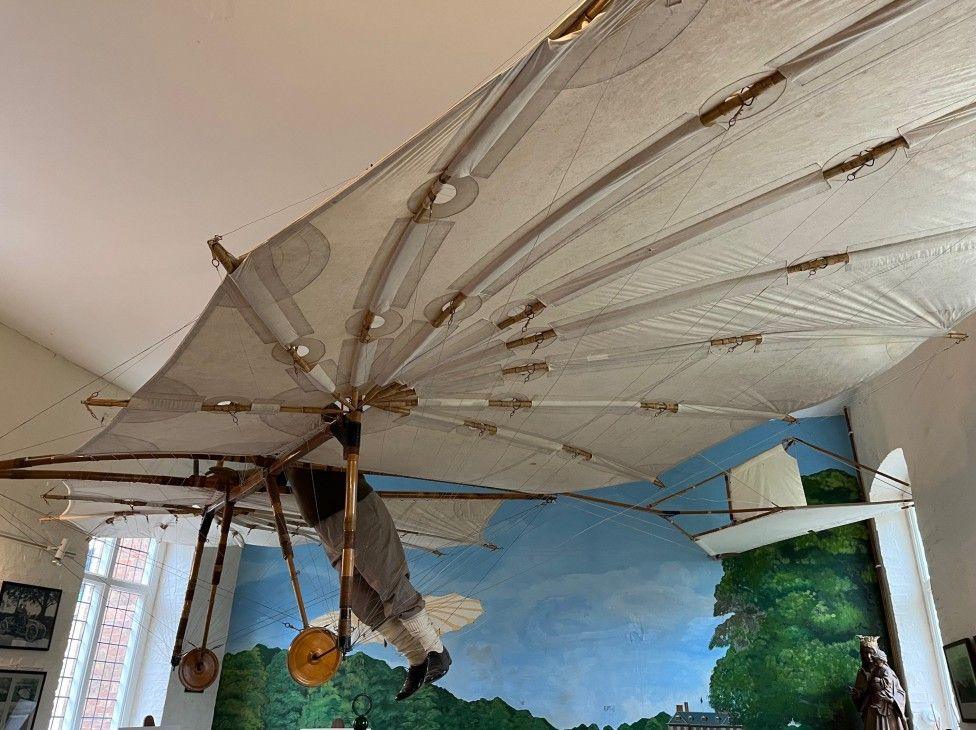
[[133, 131]]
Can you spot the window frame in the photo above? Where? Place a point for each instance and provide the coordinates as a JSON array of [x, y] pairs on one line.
[[102, 582]]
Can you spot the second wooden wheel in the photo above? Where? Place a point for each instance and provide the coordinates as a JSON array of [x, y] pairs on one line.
[[198, 669], [314, 656]]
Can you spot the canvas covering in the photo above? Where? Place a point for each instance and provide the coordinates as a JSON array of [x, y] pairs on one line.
[[790, 522], [451, 612], [769, 480], [427, 524], [583, 179]]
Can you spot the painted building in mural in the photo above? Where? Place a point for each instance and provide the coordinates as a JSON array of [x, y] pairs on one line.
[[592, 618], [685, 718]]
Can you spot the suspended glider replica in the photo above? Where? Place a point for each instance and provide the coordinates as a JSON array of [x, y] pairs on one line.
[[668, 222]]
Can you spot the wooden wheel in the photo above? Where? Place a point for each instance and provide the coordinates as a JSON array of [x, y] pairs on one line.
[[198, 669], [314, 656]]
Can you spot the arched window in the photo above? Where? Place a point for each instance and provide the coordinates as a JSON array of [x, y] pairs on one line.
[[906, 573]]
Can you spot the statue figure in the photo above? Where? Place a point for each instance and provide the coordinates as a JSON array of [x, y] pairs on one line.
[[877, 692]]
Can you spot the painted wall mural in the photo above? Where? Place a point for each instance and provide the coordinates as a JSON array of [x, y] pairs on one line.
[[594, 618]]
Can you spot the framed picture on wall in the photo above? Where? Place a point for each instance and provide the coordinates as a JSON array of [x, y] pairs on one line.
[[27, 615], [19, 694], [961, 658]]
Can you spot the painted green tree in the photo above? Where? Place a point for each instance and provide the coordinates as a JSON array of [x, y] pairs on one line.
[[796, 608], [256, 692], [658, 722]]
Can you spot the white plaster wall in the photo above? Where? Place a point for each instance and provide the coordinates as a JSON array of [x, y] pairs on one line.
[[157, 689], [926, 406], [31, 379]]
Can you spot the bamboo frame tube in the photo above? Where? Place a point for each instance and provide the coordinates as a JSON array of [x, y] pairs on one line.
[[528, 369], [580, 19], [107, 476], [486, 429], [218, 567], [741, 98], [671, 521], [821, 262], [26, 462], [222, 256], [689, 488], [661, 407], [865, 158], [461, 495], [577, 452], [448, 310], [287, 551], [850, 462], [410, 241], [110, 517], [191, 587], [229, 407], [736, 340], [348, 562], [508, 403], [297, 451], [534, 442], [106, 402], [530, 311], [650, 509], [385, 494], [534, 339]]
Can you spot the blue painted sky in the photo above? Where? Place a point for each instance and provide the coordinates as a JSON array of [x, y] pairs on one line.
[[591, 614]]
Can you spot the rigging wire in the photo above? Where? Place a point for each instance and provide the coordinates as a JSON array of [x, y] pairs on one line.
[[768, 119], [471, 90], [24, 529], [101, 378], [525, 260], [22, 449], [157, 563], [430, 587], [502, 552], [330, 596], [872, 301], [719, 147], [756, 296]]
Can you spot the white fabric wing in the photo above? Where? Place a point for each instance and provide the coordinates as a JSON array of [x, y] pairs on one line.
[[447, 613], [171, 514], [789, 522], [578, 277], [769, 480]]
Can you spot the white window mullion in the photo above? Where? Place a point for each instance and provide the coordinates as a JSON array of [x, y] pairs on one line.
[[122, 581], [121, 700], [74, 669], [92, 636], [144, 635], [99, 576]]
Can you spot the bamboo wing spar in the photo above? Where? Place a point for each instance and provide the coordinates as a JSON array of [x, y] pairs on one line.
[[428, 521]]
